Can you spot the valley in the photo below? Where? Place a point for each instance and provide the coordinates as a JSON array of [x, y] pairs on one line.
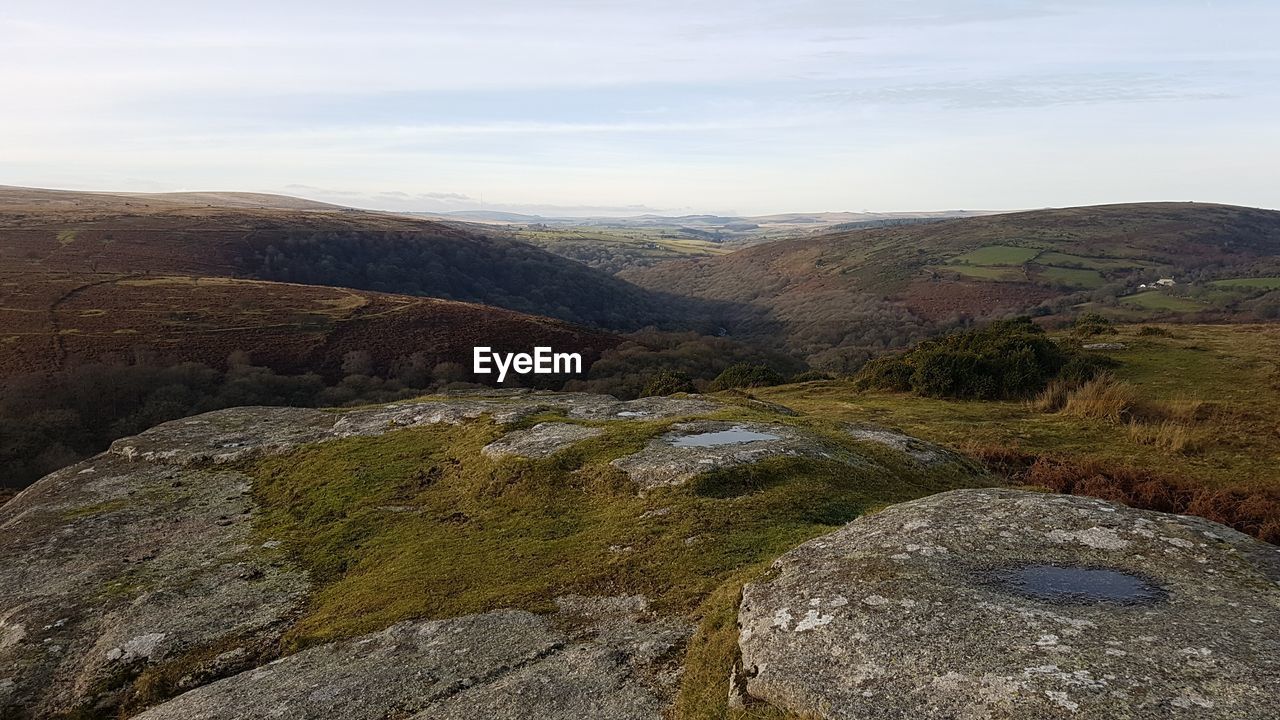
[[165, 360], [615, 244], [564, 360], [839, 298]]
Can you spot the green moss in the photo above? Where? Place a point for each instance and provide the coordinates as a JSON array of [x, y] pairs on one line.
[[106, 506], [418, 523]]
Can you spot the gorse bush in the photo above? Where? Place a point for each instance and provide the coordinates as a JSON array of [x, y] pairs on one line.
[[1093, 324], [809, 376], [668, 382], [744, 375], [1003, 360]]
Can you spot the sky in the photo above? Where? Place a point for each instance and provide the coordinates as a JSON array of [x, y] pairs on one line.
[[593, 107]]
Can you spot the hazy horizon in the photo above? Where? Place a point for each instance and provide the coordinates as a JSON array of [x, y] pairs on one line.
[[573, 108]]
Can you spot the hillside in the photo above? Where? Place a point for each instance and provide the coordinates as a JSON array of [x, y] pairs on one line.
[[839, 297], [55, 322], [285, 239]]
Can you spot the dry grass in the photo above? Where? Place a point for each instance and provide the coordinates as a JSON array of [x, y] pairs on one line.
[[1103, 398], [1171, 426], [1253, 511], [1054, 397], [1172, 436]]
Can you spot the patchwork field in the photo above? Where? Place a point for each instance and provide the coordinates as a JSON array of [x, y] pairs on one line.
[[1257, 283], [613, 250], [839, 298], [997, 255], [1036, 264]]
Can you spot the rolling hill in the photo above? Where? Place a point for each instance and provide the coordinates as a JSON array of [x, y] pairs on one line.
[[54, 322], [839, 297], [615, 244], [285, 239]]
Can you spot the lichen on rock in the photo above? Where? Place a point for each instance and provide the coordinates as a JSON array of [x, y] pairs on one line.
[[541, 440], [942, 608], [671, 460], [596, 658]]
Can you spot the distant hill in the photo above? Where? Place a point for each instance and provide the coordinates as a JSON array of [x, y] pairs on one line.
[[57, 321], [731, 223], [839, 297], [14, 198], [286, 239], [615, 244]]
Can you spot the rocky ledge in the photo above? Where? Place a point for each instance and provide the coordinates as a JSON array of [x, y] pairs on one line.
[[1007, 604], [595, 658]]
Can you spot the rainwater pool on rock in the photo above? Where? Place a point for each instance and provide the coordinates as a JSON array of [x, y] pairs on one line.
[[1078, 585], [732, 436]]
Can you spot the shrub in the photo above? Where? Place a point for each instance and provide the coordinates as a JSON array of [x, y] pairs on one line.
[[1093, 324], [1082, 367], [948, 373], [1006, 359], [886, 373], [1153, 331], [667, 382], [745, 375], [809, 376]]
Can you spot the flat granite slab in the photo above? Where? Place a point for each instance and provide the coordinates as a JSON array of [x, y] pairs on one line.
[[1012, 605]]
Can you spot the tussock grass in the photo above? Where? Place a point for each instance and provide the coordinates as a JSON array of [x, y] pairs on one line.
[[1171, 426], [1169, 435], [1103, 398], [1054, 397]]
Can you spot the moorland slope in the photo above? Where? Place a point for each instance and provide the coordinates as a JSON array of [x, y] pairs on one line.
[[48, 234], [840, 297]]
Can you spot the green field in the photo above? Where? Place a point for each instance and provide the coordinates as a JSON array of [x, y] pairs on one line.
[[985, 272], [1161, 300], [1074, 277], [997, 255], [1254, 283], [1093, 263]]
